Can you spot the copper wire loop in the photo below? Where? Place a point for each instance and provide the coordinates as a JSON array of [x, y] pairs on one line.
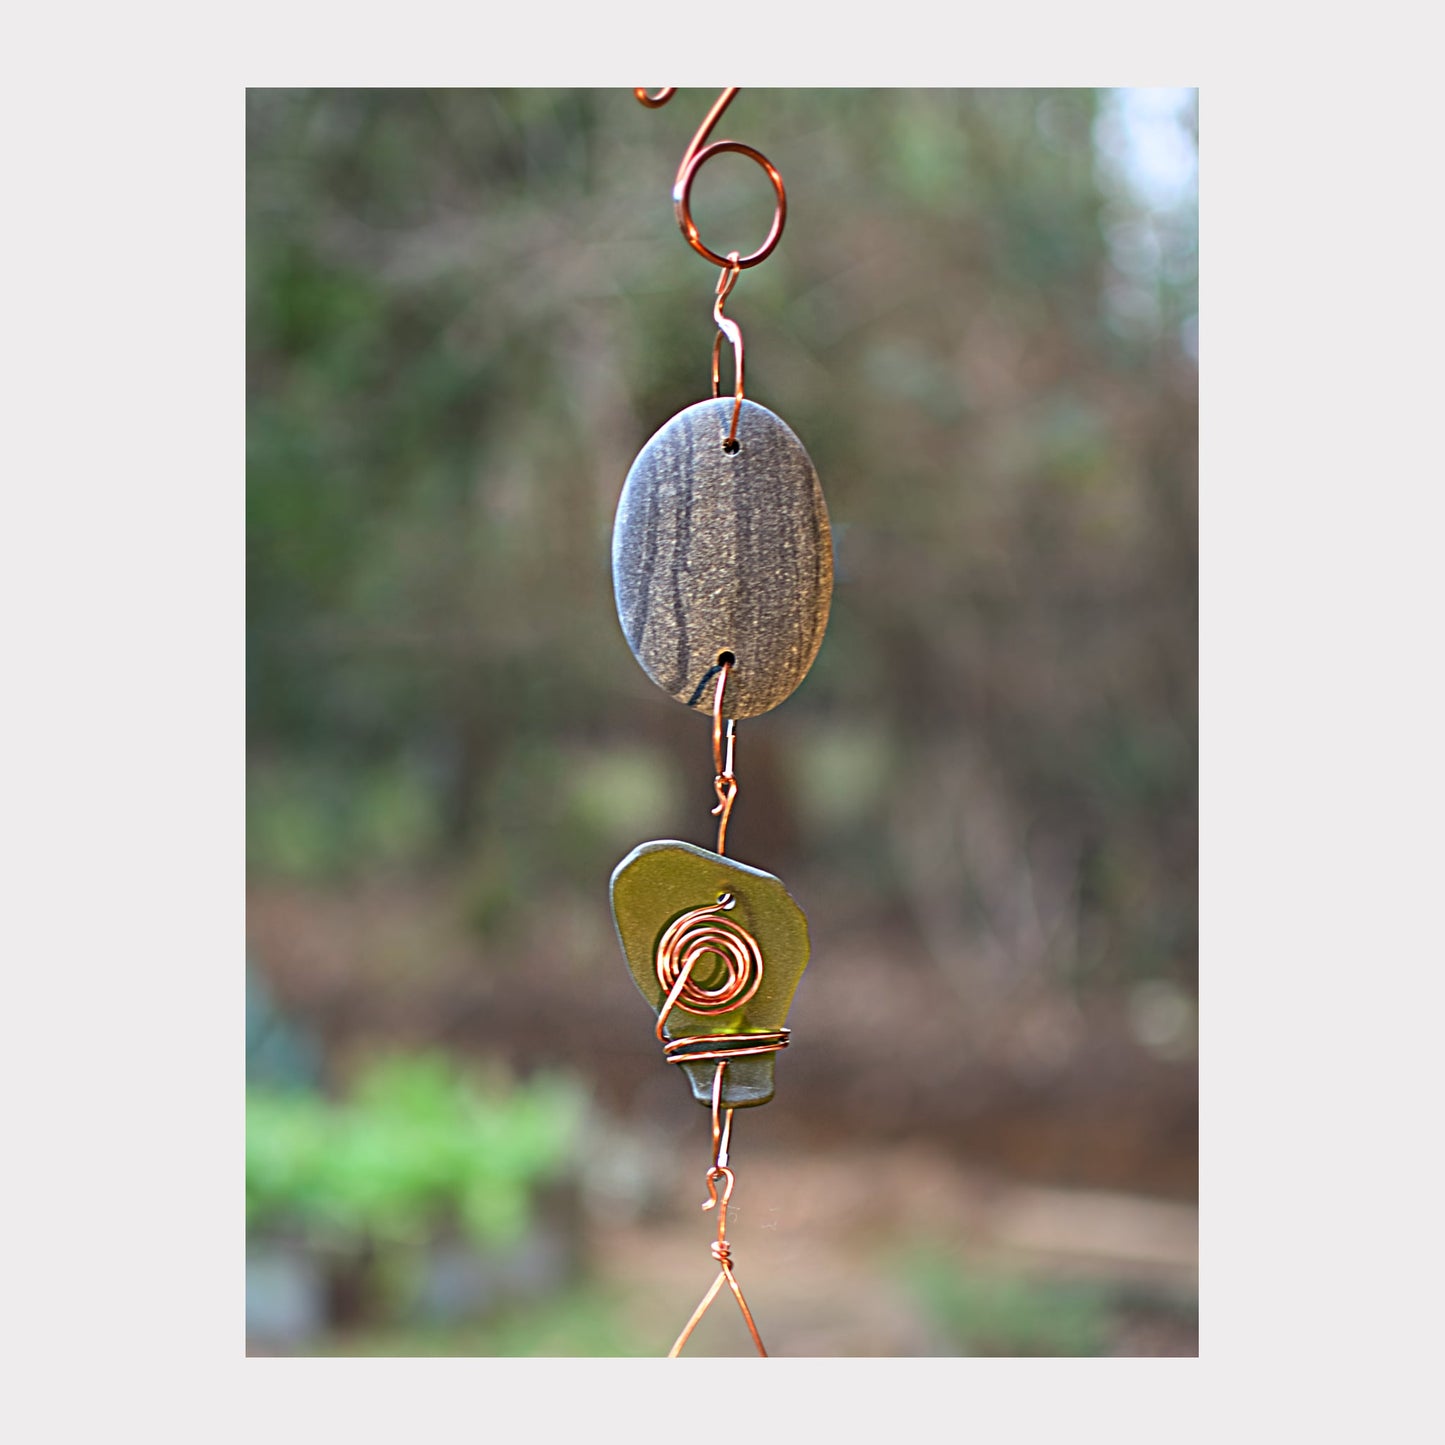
[[696, 156]]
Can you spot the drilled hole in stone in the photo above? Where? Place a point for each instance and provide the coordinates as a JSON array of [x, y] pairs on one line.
[[726, 659], [732, 445]]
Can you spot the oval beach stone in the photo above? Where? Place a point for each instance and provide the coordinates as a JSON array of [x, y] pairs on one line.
[[716, 552]]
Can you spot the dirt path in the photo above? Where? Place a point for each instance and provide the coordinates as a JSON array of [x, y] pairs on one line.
[[827, 1250]]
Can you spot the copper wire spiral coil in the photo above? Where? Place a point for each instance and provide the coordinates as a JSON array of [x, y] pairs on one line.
[[700, 932], [686, 941]]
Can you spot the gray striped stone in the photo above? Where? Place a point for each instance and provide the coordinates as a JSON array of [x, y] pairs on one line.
[[716, 552]]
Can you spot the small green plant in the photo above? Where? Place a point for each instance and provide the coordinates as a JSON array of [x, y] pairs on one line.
[[417, 1147], [588, 1320], [990, 1312]]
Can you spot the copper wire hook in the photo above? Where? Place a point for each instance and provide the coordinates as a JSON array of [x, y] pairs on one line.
[[695, 157], [717, 1201]]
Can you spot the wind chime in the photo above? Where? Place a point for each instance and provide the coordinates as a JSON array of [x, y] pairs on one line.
[[722, 566]]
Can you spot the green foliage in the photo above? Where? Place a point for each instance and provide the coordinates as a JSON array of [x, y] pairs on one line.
[[990, 1312], [588, 1321], [417, 1146]]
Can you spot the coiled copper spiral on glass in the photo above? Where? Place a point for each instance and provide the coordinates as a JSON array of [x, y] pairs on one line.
[[709, 931], [687, 940]]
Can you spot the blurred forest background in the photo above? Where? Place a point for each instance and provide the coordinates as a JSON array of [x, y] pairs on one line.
[[468, 310]]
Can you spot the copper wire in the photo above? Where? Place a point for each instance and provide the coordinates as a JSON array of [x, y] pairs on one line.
[[684, 943], [733, 264], [704, 932], [727, 326], [725, 784], [722, 1129], [696, 156], [720, 1249], [708, 931]]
